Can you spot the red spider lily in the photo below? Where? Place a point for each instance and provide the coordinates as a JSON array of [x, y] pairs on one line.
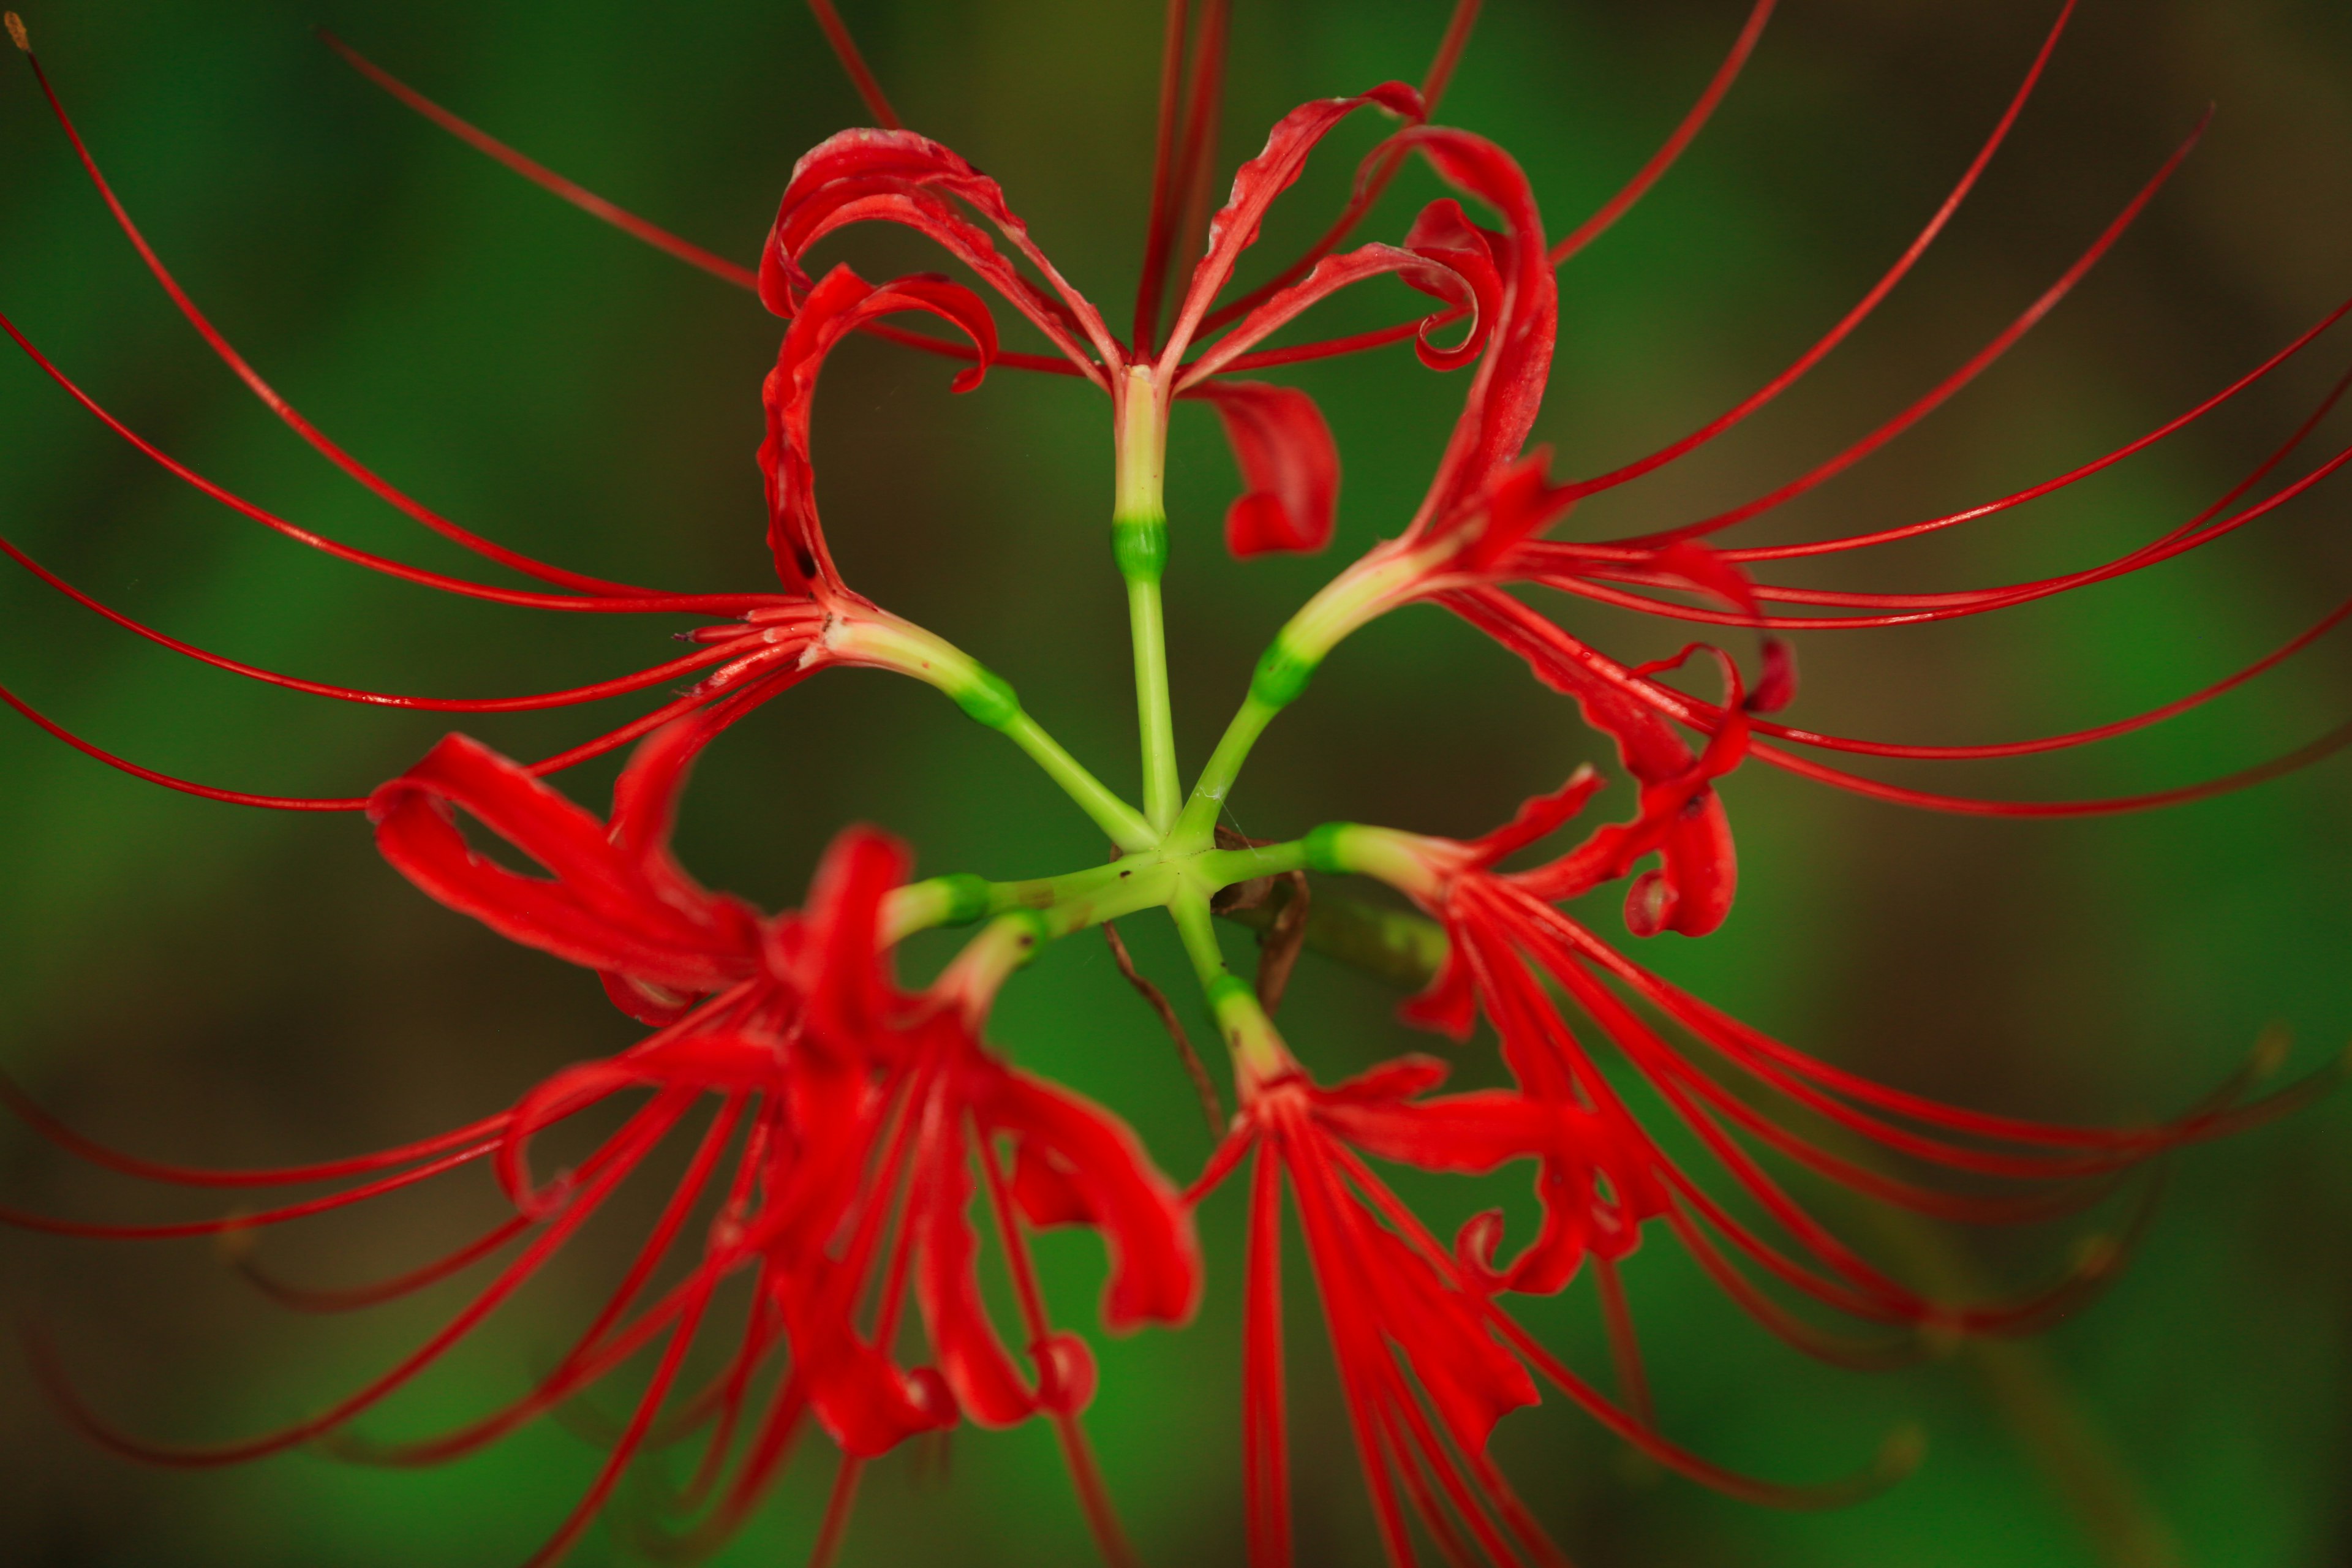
[[1507, 939], [1428, 1360], [856, 1113], [1474, 528]]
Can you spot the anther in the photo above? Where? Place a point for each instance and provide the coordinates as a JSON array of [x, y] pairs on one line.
[[16, 34]]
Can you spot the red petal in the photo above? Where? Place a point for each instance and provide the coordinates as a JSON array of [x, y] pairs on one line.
[[857, 1393], [837, 307], [1048, 1190], [840, 965], [897, 177], [1538, 818], [1258, 182], [606, 907], [1504, 399], [971, 1357], [1289, 464], [1155, 1258], [1465, 280]]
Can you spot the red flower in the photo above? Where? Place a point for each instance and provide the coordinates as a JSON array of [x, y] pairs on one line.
[[863, 1112], [1508, 945], [1428, 1359], [858, 1124]]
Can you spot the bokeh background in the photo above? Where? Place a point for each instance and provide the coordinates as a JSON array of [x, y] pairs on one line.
[[215, 984]]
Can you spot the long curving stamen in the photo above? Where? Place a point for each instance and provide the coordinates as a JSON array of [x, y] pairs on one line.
[[542, 176], [1525, 631], [652, 234], [2071, 738], [181, 1230], [326, 447], [742, 698], [592, 1351], [36, 1116], [1936, 397], [1672, 148], [1158, 227], [1265, 1453], [704, 604], [845, 49], [1077, 1454], [658, 1119], [1869, 302], [594, 692], [1196, 163], [1331, 348], [355, 1297]]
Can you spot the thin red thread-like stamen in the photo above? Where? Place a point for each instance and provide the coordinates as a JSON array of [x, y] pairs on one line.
[[1624, 1343], [1887, 1352], [2141, 720], [2046, 487], [318, 439], [1942, 391], [1869, 303], [1111, 1540], [707, 603], [1159, 228], [1497, 612], [1589, 1399], [742, 698], [542, 176], [1672, 148], [1327, 1250], [594, 692], [1197, 162], [1265, 1453], [845, 49], [1330, 348], [181, 1229], [33, 1115], [653, 234], [681, 1339], [353, 1298], [837, 1505], [2187, 536], [2304, 757], [514, 1276]]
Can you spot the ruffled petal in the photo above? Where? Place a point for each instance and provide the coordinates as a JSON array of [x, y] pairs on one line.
[[835, 307], [1258, 182], [1289, 464], [898, 176], [1155, 1256], [622, 908]]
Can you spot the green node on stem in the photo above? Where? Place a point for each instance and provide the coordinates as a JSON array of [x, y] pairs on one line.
[[1140, 547]]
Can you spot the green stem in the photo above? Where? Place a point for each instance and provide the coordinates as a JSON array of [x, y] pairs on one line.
[[1139, 541], [883, 641], [1155, 715], [1196, 828], [1257, 1049], [1122, 822]]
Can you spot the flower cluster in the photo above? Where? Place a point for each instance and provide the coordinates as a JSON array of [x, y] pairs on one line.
[[852, 1140]]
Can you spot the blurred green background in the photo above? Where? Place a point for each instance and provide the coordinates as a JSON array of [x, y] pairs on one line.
[[215, 984]]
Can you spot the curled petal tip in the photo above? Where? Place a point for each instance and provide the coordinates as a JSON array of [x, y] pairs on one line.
[[1065, 1374]]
